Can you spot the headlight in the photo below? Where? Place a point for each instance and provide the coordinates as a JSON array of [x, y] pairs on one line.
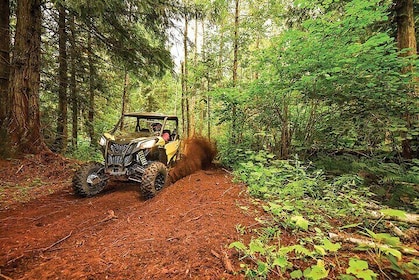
[[102, 141], [147, 144]]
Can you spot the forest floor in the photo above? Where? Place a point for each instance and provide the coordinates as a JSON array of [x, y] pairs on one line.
[[46, 232]]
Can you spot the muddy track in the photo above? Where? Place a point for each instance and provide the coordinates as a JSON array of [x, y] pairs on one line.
[[180, 234]]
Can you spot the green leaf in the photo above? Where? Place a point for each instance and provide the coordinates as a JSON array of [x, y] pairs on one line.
[[394, 264], [300, 222], [238, 245], [359, 268], [387, 239], [316, 272], [296, 274], [350, 226], [331, 247], [299, 249], [281, 262], [287, 249], [393, 252], [393, 213], [256, 247], [412, 267], [262, 268], [320, 250]]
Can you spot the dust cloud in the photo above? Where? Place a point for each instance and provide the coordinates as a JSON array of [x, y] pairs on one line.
[[198, 154]]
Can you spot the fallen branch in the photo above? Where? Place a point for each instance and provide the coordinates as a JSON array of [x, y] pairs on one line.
[[215, 254], [226, 191], [225, 260], [407, 218], [194, 219], [111, 216], [20, 168], [57, 242], [15, 259], [397, 231], [228, 171], [227, 263], [358, 241], [146, 240]]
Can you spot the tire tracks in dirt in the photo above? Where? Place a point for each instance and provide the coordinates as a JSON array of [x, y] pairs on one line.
[[119, 235]]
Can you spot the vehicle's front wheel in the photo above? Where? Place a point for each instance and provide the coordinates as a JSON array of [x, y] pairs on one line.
[[90, 179], [153, 180]]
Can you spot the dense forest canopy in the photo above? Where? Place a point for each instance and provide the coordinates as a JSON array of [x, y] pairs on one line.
[[314, 104], [293, 77]]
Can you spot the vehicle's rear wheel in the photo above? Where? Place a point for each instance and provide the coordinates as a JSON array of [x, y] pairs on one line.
[[90, 179], [153, 180]]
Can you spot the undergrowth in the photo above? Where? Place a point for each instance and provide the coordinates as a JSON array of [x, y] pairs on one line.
[[319, 210], [395, 185], [85, 152]]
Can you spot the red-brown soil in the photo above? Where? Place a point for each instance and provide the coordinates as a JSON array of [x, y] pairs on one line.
[[46, 232]]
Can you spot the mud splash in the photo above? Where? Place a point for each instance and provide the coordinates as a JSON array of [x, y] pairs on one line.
[[198, 154]]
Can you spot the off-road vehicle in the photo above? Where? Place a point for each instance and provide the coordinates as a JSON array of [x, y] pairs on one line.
[[140, 149]]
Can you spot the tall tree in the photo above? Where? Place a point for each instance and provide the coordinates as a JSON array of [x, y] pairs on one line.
[[406, 39], [61, 138], [91, 102], [73, 85], [24, 126], [235, 66], [124, 96], [236, 40], [185, 88], [4, 58]]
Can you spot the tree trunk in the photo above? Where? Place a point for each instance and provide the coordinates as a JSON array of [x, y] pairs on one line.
[[236, 42], [24, 125], [186, 129], [61, 138], [207, 76], [285, 133], [256, 73], [235, 66], [4, 72], [195, 58], [4, 59], [182, 100], [91, 111], [124, 96], [73, 86], [406, 39], [220, 56]]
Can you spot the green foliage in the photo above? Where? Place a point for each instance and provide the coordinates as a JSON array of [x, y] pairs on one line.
[[412, 267], [316, 272], [359, 268], [300, 198], [329, 246], [330, 78], [392, 183], [86, 152]]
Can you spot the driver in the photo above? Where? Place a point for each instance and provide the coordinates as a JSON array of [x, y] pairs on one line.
[[156, 129]]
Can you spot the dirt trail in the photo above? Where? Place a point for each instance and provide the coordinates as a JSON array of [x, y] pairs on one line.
[[179, 234]]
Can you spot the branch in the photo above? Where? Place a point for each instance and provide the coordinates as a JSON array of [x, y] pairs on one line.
[[397, 231], [358, 241], [225, 260], [407, 218], [57, 242]]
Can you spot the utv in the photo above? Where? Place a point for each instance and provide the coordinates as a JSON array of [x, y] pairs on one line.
[[140, 148]]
